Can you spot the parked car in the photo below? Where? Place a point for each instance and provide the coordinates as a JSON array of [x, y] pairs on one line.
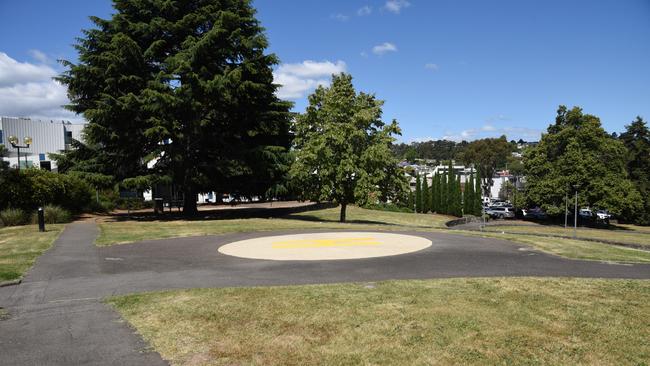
[[500, 212], [603, 216], [585, 214], [534, 213]]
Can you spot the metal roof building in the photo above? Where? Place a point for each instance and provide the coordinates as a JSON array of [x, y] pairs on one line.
[[47, 137]]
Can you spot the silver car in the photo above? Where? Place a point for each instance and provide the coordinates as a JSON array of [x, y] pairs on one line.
[[500, 212]]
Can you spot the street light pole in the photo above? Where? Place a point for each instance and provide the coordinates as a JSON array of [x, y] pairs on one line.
[[566, 208], [13, 140], [575, 217]]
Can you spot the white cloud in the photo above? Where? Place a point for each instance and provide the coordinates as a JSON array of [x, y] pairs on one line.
[[383, 48], [39, 56], [340, 17], [299, 79], [13, 72], [364, 10], [396, 6], [27, 90], [431, 66]]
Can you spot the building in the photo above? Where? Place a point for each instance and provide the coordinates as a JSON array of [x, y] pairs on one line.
[[430, 170], [47, 137]]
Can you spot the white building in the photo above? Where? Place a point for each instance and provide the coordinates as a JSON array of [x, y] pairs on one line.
[[47, 137], [429, 171]]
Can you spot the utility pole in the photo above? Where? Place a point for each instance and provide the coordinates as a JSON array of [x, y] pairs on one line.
[[575, 217], [566, 208]]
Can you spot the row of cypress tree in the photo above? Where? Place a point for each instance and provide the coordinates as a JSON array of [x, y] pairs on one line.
[[445, 195]]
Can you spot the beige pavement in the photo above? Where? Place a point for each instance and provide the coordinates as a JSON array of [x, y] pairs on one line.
[[326, 246]]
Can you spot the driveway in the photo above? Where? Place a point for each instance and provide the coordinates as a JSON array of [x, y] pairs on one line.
[[57, 317]]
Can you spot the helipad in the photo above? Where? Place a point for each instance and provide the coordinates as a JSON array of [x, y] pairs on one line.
[[325, 246]]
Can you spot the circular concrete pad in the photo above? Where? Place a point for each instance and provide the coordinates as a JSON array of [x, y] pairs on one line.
[[325, 246]]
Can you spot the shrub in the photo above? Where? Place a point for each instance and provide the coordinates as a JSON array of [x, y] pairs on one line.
[[12, 217], [29, 188], [53, 215]]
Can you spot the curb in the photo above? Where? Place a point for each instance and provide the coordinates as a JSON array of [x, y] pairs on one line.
[[11, 283]]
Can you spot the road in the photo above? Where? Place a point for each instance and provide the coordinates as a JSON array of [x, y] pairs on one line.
[[57, 316]]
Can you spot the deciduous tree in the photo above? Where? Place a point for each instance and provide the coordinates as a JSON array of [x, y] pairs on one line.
[[577, 154], [637, 141], [343, 148]]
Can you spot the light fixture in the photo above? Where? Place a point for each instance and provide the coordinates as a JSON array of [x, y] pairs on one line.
[[27, 140], [13, 140]]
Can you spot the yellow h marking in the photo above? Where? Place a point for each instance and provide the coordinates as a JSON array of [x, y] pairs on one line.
[[318, 243]]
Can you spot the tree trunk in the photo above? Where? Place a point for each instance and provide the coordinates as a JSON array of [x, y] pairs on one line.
[[343, 207], [189, 201]]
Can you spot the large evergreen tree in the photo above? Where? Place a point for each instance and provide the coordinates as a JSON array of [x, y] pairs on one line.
[[577, 154], [343, 148], [186, 85], [637, 141]]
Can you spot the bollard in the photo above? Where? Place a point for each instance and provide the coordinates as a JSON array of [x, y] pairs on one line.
[[41, 220]]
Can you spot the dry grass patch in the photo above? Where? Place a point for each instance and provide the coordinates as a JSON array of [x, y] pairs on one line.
[[447, 322], [21, 245]]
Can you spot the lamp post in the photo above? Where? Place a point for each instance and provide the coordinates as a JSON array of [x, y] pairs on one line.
[[13, 140], [575, 215]]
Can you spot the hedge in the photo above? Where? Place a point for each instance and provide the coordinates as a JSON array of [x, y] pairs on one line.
[[28, 189]]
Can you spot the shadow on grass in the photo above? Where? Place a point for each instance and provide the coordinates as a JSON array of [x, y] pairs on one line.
[[223, 213], [312, 218]]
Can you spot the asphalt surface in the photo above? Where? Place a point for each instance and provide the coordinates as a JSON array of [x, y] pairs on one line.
[[57, 317]]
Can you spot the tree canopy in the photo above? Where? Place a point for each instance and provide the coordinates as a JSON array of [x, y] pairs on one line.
[[636, 139], [188, 86], [343, 148], [577, 154], [487, 155]]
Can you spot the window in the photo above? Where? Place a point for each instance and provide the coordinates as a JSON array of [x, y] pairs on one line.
[[1, 137], [68, 137]]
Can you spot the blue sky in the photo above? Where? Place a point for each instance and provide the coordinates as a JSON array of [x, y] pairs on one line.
[[456, 69]]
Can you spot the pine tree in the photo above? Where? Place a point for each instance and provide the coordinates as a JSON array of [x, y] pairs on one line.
[[459, 197], [194, 74], [478, 195], [435, 187], [451, 186], [410, 203], [418, 194], [443, 193], [426, 193], [468, 196]]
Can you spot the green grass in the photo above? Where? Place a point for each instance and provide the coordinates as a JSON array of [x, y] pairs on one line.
[[512, 321], [632, 234], [574, 249], [20, 246], [358, 218]]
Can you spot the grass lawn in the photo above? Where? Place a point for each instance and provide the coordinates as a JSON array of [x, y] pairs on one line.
[[358, 218], [574, 249], [21, 245], [445, 322], [632, 234]]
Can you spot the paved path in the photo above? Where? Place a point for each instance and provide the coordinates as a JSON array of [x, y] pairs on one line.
[[57, 317]]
